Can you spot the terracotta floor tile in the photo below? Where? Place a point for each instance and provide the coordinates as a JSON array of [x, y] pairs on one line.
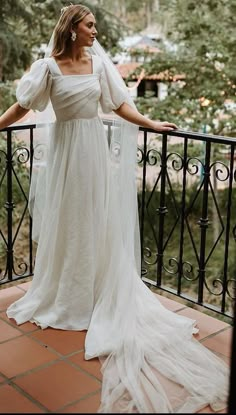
[[84, 406], [7, 332], [25, 327], [92, 366], [221, 343], [8, 296], [57, 385], [2, 379], [14, 402], [207, 325], [170, 304], [22, 354], [63, 341]]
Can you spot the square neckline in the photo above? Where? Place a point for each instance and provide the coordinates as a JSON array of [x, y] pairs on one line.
[[76, 74]]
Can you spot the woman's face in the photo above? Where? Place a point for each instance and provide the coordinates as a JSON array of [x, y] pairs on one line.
[[86, 31]]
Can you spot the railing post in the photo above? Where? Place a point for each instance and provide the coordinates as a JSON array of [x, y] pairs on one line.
[[227, 230], [232, 380], [30, 219], [9, 205], [162, 210], [203, 223], [182, 217], [144, 157]]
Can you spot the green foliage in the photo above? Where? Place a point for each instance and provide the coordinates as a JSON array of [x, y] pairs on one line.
[[110, 28], [7, 95], [136, 15], [22, 33], [12, 46], [204, 35]]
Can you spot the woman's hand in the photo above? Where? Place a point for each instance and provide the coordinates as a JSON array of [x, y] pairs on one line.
[[132, 115], [163, 126]]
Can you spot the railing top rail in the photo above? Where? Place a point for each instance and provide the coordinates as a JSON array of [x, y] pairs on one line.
[[196, 136], [177, 133]]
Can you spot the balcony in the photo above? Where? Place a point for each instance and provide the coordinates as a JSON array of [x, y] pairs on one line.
[[187, 259], [45, 371]]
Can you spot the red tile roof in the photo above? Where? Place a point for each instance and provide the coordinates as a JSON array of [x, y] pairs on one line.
[[126, 69]]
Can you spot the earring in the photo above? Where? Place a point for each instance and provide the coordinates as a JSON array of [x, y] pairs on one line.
[[73, 36]]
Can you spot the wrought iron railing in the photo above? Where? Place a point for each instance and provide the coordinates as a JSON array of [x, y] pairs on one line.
[[188, 217], [186, 193], [16, 246]]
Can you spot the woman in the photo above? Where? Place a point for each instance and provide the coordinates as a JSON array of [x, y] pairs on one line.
[[84, 208]]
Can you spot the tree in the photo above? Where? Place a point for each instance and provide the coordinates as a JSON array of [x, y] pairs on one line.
[[204, 33], [23, 32], [135, 14], [31, 25], [12, 44]]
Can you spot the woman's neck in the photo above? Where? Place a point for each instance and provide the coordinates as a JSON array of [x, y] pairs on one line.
[[76, 53]]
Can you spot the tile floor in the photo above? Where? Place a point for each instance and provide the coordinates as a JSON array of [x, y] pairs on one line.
[[44, 371]]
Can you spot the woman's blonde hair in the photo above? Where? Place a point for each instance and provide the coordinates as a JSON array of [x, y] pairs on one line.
[[70, 16]]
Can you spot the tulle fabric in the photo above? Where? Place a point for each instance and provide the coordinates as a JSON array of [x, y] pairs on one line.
[[151, 362], [87, 273]]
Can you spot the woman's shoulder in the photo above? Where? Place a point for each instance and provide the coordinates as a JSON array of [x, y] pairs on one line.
[[37, 69], [38, 65], [39, 62]]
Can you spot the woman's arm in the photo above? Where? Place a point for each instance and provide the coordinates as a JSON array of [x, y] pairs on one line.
[[11, 115], [132, 115]]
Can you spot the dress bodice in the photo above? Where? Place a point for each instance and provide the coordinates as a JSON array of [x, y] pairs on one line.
[[72, 96]]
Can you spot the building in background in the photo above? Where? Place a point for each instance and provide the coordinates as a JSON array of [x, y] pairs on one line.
[[139, 49]]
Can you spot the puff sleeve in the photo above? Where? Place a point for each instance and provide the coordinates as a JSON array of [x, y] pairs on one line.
[[112, 95], [33, 90]]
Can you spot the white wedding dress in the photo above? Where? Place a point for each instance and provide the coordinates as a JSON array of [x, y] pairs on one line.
[[83, 277]]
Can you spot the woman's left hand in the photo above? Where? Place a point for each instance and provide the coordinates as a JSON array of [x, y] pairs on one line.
[[133, 115], [163, 126]]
